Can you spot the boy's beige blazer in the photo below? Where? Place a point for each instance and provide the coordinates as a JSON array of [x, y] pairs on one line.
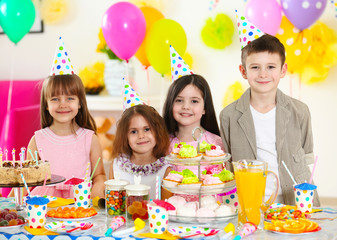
[[294, 143]]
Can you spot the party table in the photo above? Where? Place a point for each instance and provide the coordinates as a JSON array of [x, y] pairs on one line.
[[329, 230]]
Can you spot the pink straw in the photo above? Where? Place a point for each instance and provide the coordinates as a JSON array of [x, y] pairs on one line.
[[44, 184], [313, 169]]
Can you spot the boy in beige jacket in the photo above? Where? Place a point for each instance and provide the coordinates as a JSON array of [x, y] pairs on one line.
[[265, 123]]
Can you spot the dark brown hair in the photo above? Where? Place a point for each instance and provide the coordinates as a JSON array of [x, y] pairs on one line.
[[265, 43], [156, 123], [208, 120], [69, 85]]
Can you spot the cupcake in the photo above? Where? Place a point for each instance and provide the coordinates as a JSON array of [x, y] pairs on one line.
[[188, 152], [214, 152], [212, 183], [225, 176], [190, 183], [176, 149], [172, 179]]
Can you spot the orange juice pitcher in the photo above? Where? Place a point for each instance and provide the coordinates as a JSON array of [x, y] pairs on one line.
[[250, 176]]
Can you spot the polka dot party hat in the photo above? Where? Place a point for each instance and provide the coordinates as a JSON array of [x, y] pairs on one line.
[[131, 98], [179, 67], [61, 64], [247, 30]]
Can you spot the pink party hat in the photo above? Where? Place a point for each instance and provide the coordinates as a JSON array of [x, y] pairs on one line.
[[131, 98], [247, 30], [61, 63], [178, 66]]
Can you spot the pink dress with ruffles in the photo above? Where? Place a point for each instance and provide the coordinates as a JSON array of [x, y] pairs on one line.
[[68, 157]]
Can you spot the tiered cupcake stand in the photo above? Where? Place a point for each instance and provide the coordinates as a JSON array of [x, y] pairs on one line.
[[18, 189], [201, 192]]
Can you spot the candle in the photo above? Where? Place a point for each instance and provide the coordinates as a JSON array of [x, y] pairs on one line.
[[6, 156], [21, 158], [13, 156], [36, 158], [40, 152], [23, 150], [1, 156]]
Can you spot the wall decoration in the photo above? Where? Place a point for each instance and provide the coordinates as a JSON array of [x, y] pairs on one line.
[[218, 33], [53, 11], [310, 52], [233, 93]]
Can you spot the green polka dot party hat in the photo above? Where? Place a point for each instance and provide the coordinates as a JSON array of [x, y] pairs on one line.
[[131, 98], [247, 31], [179, 67], [61, 64]]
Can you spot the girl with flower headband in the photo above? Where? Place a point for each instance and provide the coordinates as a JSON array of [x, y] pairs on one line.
[[140, 145]]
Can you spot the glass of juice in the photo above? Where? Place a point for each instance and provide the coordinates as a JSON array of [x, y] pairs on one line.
[[250, 176]]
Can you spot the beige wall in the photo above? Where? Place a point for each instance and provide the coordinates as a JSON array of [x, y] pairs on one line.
[[33, 55]]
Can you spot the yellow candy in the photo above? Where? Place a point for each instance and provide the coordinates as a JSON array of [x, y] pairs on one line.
[[95, 201]]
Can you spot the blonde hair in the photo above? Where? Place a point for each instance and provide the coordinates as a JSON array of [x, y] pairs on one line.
[[69, 85]]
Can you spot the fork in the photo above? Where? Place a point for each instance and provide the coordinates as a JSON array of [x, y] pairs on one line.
[[84, 227]]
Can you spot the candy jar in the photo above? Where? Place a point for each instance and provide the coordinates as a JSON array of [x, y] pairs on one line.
[[115, 196], [137, 196]]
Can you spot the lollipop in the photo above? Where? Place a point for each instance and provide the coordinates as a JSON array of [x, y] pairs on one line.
[[247, 229]]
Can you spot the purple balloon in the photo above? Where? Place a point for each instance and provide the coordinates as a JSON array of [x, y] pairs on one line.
[[123, 27], [303, 13]]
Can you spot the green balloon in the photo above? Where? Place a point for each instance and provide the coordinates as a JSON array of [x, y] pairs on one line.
[[16, 18]]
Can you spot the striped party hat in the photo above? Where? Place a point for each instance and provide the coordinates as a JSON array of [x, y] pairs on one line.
[[61, 64], [247, 30], [179, 67], [131, 98]]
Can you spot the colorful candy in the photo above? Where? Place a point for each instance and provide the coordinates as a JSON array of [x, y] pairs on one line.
[[115, 201], [283, 213], [137, 208]]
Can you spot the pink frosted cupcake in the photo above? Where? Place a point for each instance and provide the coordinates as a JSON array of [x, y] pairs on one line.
[[172, 179], [211, 183], [214, 153]]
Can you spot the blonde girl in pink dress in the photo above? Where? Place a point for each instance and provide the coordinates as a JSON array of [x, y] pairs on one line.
[[189, 105], [67, 138]]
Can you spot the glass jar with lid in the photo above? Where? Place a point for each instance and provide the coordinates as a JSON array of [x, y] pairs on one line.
[[137, 197], [115, 196]]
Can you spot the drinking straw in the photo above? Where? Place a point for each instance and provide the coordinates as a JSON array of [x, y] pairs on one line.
[[313, 170], [86, 172], [291, 176], [92, 174], [24, 182], [36, 158], [158, 187]]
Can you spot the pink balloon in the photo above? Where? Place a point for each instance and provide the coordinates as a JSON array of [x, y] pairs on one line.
[[124, 27], [264, 14]]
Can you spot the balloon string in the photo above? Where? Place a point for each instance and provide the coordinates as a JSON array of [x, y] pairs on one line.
[[10, 90], [162, 94], [148, 84]]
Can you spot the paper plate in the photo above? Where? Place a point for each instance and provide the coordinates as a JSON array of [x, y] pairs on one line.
[[297, 234], [188, 231], [62, 227], [13, 227], [72, 219]]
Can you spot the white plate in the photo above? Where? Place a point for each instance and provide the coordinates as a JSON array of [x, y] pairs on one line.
[[62, 227], [71, 219], [12, 227], [296, 234]]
